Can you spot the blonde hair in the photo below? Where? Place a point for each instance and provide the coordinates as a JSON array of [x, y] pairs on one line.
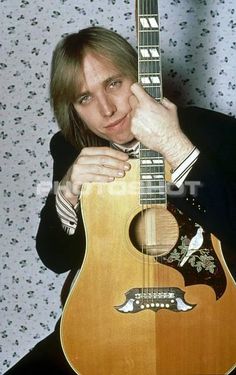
[[65, 74]]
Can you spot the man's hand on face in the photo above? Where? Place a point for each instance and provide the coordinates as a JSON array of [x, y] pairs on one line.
[[156, 125], [94, 164]]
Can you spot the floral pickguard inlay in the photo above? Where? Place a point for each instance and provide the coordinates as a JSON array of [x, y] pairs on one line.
[[200, 259], [194, 255]]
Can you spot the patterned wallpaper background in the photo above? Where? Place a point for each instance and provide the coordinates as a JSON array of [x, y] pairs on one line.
[[199, 67]]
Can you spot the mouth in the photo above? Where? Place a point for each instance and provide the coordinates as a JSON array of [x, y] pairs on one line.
[[116, 124]]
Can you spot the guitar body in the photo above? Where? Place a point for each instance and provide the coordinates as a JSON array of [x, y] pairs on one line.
[[134, 313]]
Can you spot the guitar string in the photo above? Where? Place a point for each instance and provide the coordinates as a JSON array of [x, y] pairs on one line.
[[149, 42], [145, 208], [142, 228], [149, 222], [153, 43]]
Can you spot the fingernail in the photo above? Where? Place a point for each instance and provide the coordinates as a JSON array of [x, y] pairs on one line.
[[120, 173], [127, 167]]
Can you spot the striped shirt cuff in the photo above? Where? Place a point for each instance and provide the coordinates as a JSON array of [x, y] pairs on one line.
[[180, 173], [67, 213]]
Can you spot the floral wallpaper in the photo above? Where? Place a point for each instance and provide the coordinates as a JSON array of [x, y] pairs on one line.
[[199, 67]]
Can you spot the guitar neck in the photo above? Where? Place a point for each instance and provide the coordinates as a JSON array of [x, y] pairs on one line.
[[149, 63], [152, 167]]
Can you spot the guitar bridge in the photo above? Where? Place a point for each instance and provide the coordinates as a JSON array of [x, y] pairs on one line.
[[152, 298]]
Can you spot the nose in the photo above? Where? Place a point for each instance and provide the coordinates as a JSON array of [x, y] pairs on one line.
[[106, 104]]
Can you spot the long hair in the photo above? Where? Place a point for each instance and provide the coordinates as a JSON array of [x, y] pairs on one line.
[[66, 69]]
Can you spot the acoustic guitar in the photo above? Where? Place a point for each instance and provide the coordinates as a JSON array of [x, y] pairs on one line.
[[154, 295]]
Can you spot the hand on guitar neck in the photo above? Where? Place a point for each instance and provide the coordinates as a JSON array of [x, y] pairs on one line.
[[156, 125]]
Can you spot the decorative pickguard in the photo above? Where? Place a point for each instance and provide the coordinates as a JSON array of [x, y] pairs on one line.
[[194, 256], [139, 299]]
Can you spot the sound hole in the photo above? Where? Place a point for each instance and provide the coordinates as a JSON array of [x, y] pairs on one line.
[[154, 231]]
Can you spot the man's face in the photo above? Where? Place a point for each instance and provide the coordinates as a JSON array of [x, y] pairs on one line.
[[103, 101]]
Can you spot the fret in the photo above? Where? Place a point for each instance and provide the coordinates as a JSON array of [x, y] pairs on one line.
[[156, 191], [149, 45], [148, 15], [156, 76], [147, 153], [151, 61], [152, 171], [153, 201], [152, 185], [154, 87], [149, 184], [157, 169], [158, 164], [149, 67], [148, 7], [157, 195], [149, 175], [148, 38], [155, 92], [158, 200], [154, 158]]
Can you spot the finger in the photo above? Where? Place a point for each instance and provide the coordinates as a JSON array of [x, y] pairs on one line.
[[100, 178], [167, 103], [95, 174], [104, 151], [102, 160], [133, 101], [139, 92], [101, 170]]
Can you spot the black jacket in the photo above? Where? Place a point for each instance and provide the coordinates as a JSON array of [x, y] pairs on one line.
[[214, 207]]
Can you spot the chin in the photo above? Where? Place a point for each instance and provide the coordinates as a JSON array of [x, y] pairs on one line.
[[126, 141]]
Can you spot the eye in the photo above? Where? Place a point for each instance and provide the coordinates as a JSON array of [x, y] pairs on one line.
[[115, 83], [84, 99]]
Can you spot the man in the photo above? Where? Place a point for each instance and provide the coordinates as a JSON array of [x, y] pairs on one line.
[[103, 113]]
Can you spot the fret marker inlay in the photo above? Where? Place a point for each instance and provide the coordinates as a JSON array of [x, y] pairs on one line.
[[144, 23], [144, 52], [153, 22], [154, 52]]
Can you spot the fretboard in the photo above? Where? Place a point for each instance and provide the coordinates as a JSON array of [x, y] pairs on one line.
[[152, 171]]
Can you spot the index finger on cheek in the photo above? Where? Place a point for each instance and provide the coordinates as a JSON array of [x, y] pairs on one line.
[[133, 101], [138, 91]]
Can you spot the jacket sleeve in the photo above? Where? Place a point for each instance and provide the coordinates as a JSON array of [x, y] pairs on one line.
[[214, 134], [59, 251], [209, 194]]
